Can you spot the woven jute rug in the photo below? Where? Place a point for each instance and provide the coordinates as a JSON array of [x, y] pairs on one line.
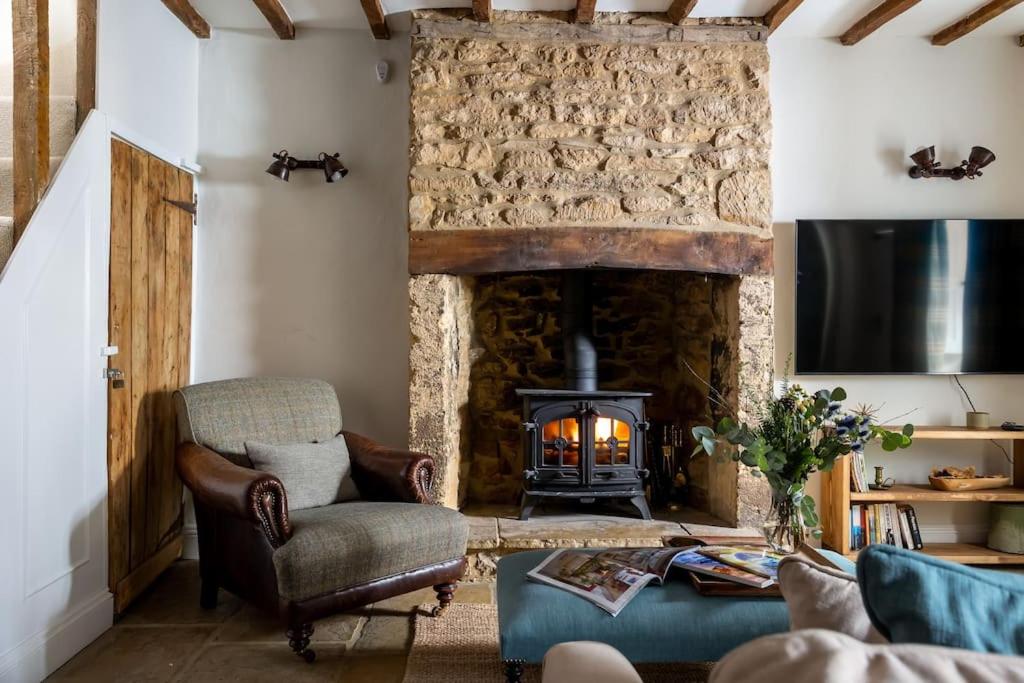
[[462, 647]]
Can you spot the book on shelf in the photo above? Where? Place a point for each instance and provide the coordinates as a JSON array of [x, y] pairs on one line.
[[858, 473], [887, 523]]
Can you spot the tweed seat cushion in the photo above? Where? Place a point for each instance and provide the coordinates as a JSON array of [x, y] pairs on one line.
[[347, 544]]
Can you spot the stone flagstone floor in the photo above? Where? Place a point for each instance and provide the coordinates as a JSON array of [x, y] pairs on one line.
[[166, 637]]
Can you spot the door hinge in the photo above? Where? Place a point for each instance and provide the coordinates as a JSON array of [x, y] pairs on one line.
[[191, 207]]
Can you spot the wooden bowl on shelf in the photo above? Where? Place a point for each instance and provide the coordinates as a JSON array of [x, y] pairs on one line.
[[975, 484]]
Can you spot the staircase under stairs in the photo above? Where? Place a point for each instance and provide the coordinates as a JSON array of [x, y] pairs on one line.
[[62, 132]]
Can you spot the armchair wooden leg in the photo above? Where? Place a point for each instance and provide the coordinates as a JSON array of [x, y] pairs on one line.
[[298, 639], [208, 594], [513, 670], [445, 595]]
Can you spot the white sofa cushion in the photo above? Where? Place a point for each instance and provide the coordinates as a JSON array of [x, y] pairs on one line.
[[815, 655], [824, 597]]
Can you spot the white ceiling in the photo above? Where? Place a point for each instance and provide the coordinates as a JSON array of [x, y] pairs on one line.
[[815, 18]]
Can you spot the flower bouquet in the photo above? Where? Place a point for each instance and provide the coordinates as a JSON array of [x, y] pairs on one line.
[[798, 434]]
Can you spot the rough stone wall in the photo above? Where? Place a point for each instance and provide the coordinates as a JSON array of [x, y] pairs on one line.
[[531, 122], [648, 327], [440, 326], [528, 123]]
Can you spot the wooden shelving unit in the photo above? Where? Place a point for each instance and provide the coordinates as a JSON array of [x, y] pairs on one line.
[[836, 499]]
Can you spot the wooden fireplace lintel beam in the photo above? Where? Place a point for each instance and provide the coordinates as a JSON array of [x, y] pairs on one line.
[[475, 252]]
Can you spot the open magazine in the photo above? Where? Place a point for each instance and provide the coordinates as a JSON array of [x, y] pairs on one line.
[[608, 578]]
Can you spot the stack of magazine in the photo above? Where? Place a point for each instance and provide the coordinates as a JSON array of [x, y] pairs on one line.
[[612, 578]]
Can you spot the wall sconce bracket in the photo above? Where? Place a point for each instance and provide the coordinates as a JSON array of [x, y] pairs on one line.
[[925, 165]]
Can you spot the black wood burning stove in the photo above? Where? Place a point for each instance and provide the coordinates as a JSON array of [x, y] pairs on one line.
[[581, 443]]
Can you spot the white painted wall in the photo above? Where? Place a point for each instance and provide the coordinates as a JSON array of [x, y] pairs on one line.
[[305, 278], [845, 120], [147, 67]]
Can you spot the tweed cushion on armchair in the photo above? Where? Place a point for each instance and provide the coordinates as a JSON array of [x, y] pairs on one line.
[[338, 546]]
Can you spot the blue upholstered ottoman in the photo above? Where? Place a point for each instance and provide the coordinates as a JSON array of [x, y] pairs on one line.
[[669, 623]]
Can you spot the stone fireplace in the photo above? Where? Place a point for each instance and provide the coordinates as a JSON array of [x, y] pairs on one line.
[[634, 150]]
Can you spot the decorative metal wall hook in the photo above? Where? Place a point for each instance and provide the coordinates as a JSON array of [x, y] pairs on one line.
[[925, 165]]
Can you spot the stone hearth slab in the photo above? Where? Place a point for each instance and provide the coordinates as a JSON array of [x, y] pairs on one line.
[[495, 530], [578, 530]]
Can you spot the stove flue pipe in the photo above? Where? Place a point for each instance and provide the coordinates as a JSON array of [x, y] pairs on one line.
[[577, 332]]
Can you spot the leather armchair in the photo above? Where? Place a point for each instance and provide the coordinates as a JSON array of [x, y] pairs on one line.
[[249, 543]]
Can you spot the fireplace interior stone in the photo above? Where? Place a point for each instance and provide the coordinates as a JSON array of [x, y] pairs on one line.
[[630, 345]]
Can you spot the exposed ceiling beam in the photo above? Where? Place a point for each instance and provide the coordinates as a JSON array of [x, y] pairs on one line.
[[972, 21], [680, 9], [188, 15], [482, 10], [779, 13], [585, 11], [875, 19], [375, 15], [278, 18]]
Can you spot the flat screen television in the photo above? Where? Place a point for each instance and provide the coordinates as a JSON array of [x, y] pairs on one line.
[[909, 296]]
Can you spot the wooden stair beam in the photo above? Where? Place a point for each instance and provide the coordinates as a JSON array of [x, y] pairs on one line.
[[482, 10], [976, 19], [30, 29], [779, 13], [375, 15], [585, 10], [188, 15], [680, 9], [85, 61], [277, 17], [876, 19]]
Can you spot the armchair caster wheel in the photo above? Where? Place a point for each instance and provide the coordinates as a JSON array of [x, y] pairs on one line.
[[445, 595], [298, 639]]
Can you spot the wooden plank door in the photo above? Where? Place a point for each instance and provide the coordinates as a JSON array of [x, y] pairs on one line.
[[150, 322]]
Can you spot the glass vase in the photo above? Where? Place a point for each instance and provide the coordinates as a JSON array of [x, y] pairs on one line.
[[783, 529]]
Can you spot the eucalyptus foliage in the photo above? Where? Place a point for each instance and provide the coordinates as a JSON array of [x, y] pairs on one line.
[[799, 434]]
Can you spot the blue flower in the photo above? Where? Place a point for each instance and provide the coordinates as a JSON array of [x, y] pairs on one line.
[[857, 447]]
